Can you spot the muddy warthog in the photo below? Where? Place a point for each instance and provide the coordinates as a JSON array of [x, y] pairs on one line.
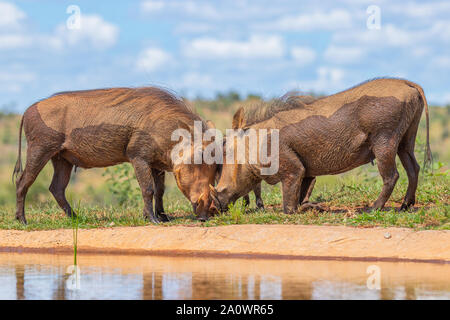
[[247, 115], [377, 119], [100, 128]]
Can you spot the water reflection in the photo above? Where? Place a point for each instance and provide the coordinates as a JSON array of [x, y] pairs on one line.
[[154, 278], [20, 280]]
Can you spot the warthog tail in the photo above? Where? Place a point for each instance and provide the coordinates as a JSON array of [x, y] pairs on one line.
[[428, 157], [18, 167]]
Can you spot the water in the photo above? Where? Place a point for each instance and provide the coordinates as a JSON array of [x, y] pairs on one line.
[[45, 276]]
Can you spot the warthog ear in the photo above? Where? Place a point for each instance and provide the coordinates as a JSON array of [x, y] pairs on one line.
[[218, 172], [210, 124], [177, 175], [238, 119]]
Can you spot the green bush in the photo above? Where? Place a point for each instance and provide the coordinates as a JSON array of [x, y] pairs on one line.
[[122, 184]]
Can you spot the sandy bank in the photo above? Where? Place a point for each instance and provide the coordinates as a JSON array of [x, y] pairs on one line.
[[263, 241]]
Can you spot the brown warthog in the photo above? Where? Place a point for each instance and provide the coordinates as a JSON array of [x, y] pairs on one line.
[[247, 115], [377, 119], [100, 128]]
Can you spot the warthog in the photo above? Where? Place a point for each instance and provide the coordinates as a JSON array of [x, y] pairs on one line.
[[100, 128], [247, 115], [377, 119]]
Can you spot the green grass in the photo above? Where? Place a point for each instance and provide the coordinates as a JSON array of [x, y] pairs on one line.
[[105, 203], [345, 196], [75, 227]]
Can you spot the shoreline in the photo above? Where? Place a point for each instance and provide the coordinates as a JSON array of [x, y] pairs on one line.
[[300, 242]]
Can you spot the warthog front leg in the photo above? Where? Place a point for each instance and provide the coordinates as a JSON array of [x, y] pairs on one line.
[[158, 178], [291, 175], [258, 198], [291, 192], [144, 177]]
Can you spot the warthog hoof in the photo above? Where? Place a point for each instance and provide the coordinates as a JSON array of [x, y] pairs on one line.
[[163, 217], [405, 206], [312, 206], [157, 218], [152, 218], [22, 219], [260, 205], [71, 215], [202, 219]]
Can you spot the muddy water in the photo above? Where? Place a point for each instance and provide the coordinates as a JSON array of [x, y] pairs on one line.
[[41, 276]]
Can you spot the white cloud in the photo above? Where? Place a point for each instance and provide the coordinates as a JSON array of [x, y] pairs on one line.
[[388, 35], [151, 6], [17, 76], [152, 59], [420, 9], [439, 30], [343, 55], [419, 42], [195, 80], [185, 7], [10, 15], [335, 19], [194, 27], [328, 80], [255, 47], [421, 51], [94, 32], [441, 62], [14, 41], [303, 55], [13, 81], [446, 98]]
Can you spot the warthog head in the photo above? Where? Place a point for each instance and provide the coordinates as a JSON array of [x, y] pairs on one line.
[[235, 181], [193, 181]]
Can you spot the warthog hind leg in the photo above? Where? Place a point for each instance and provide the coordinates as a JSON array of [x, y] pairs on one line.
[[409, 162], [305, 193], [246, 200], [306, 189], [37, 157], [412, 170], [61, 176], [385, 155]]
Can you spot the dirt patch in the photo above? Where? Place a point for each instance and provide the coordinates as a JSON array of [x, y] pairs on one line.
[[263, 241]]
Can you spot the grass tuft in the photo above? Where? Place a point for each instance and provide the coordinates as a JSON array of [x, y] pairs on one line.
[[347, 198]]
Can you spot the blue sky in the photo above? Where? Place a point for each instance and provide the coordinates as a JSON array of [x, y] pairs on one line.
[[203, 47]]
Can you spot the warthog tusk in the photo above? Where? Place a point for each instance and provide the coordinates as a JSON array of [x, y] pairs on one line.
[[200, 198], [214, 197], [213, 190]]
